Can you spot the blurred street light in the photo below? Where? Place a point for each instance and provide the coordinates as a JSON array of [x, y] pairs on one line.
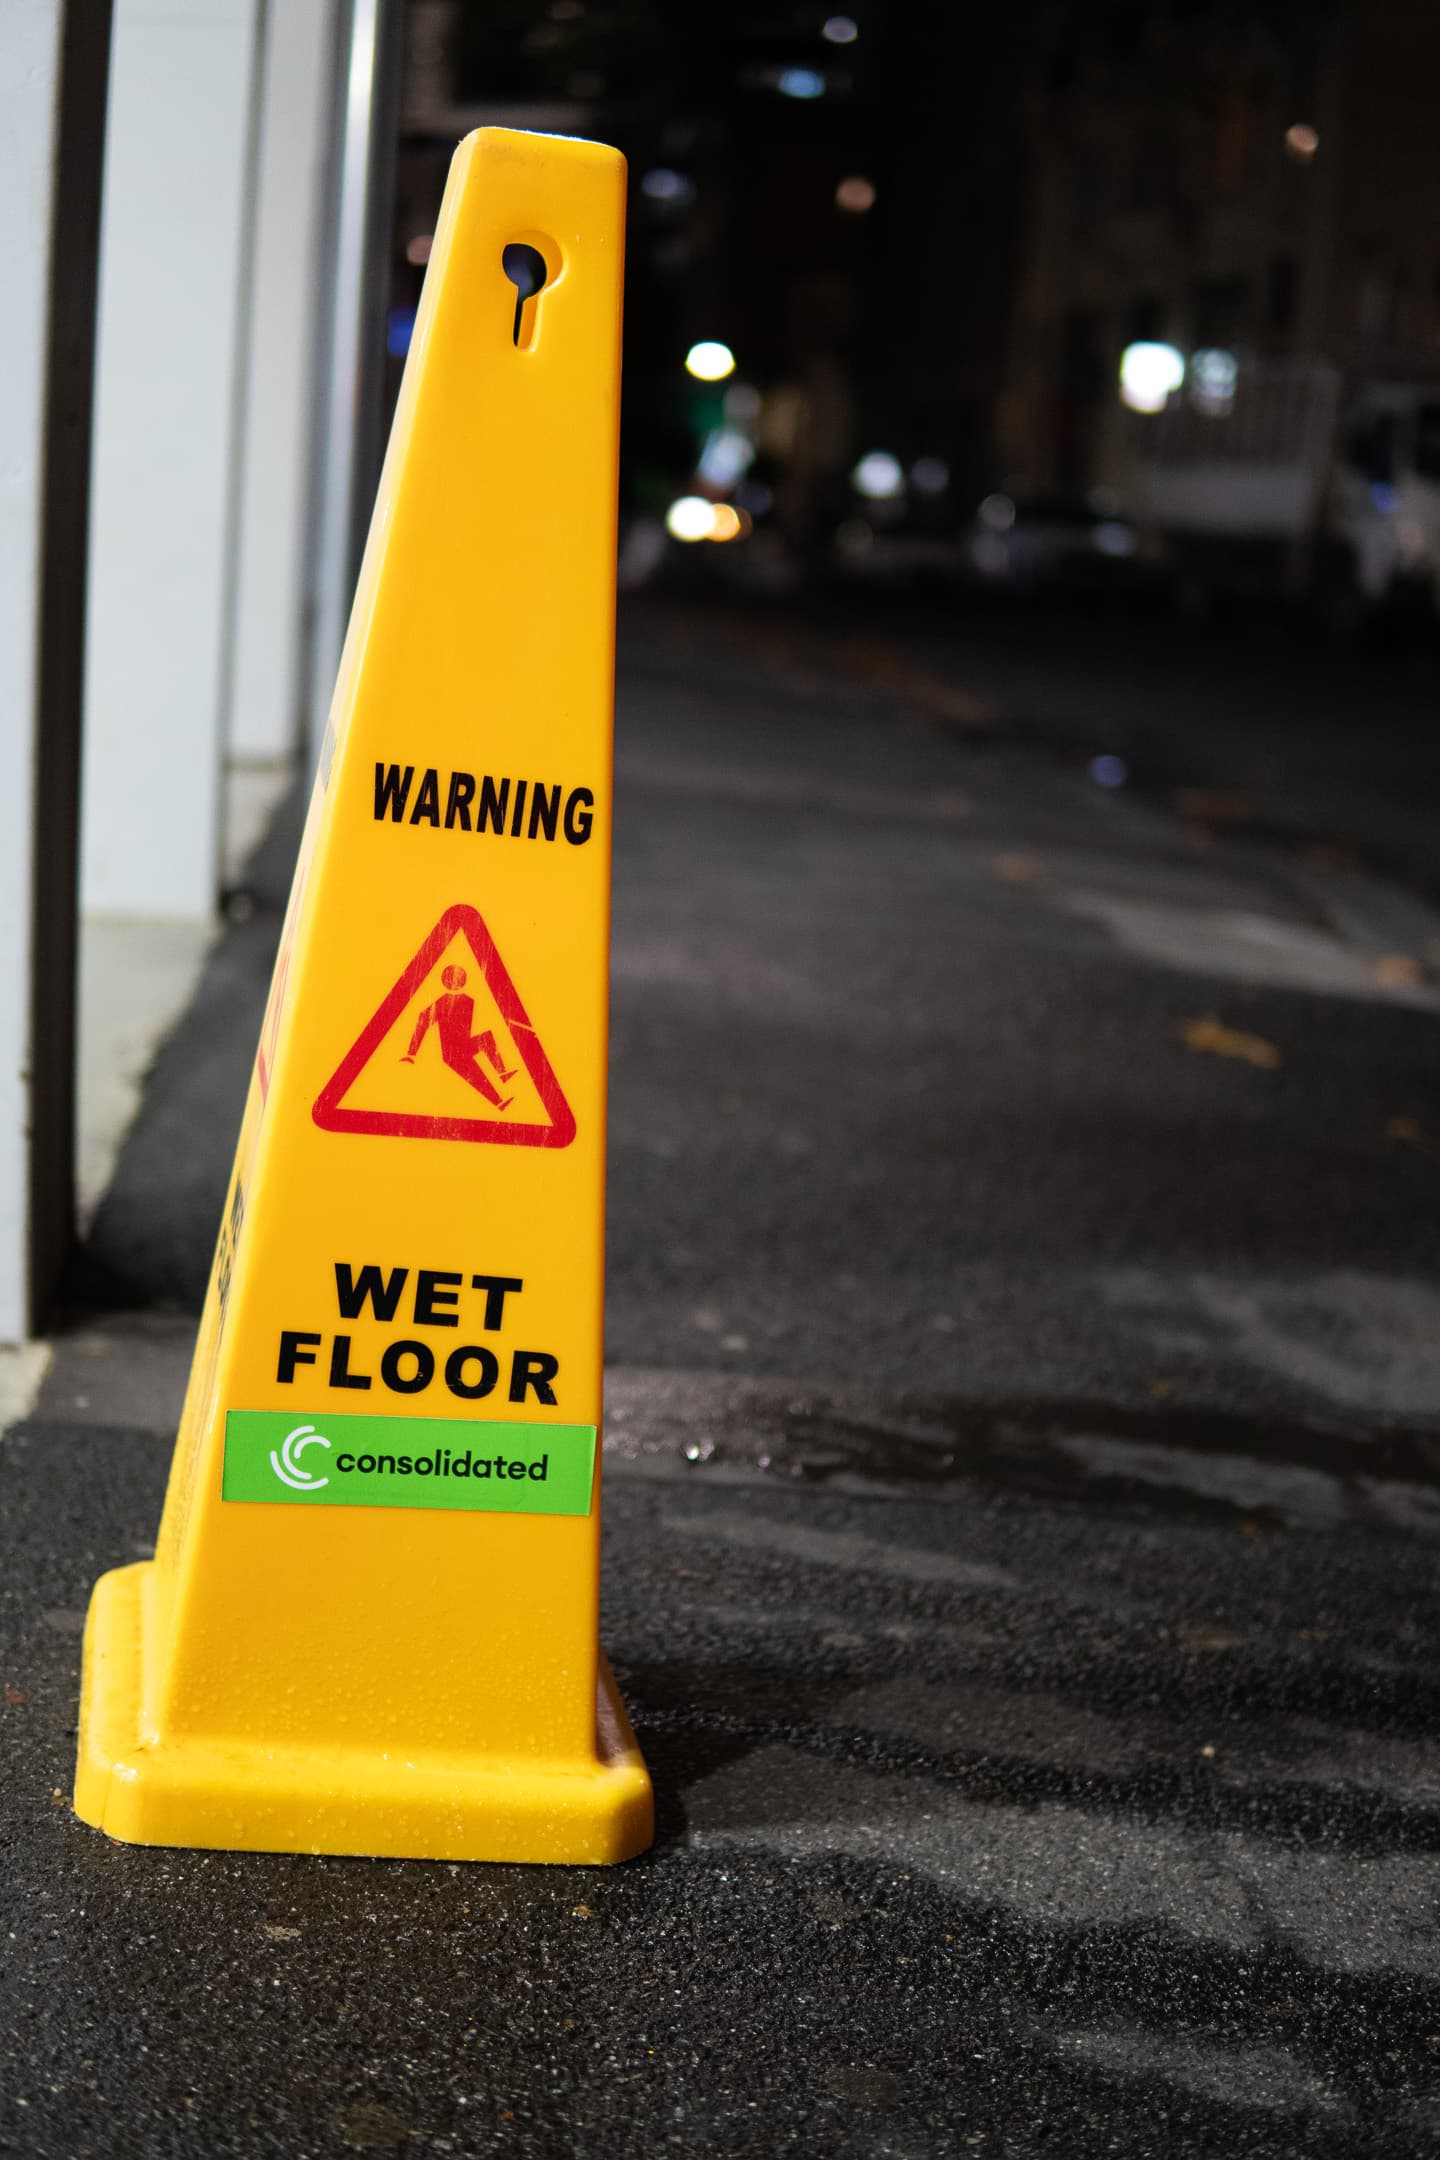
[[690, 518], [663, 185], [1302, 142], [709, 361], [1213, 375], [1149, 371], [879, 476], [840, 30], [855, 194], [726, 457]]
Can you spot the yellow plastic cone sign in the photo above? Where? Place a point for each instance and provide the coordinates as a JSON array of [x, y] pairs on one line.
[[370, 1625]]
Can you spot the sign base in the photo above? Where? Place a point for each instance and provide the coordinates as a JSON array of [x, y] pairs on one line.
[[242, 1798]]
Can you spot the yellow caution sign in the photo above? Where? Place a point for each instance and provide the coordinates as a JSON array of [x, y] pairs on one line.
[[370, 1625]]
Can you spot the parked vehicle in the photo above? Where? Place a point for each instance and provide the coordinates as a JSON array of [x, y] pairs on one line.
[[1026, 543], [1014, 543], [1282, 478]]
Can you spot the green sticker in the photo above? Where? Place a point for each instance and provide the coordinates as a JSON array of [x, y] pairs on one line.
[[329, 1460]]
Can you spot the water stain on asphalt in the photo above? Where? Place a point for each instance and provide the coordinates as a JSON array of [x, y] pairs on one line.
[[1254, 1470]]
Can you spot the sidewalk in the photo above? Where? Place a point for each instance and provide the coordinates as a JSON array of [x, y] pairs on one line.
[[1023, 1493], [1068, 1791]]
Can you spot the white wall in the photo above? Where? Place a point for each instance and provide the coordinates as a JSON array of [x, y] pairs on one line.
[[266, 717], [165, 435], [202, 461], [29, 54]]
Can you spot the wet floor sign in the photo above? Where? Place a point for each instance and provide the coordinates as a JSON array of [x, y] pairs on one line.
[[370, 1624]]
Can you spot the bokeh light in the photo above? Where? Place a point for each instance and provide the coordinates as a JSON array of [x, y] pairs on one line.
[[690, 518], [709, 361], [855, 194], [1149, 372], [879, 476]]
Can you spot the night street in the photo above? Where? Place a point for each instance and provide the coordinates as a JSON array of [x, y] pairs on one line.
[[1022, 1470], [719, 1029], [915, 1078]]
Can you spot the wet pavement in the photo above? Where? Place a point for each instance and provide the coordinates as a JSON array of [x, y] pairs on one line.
[[1023, 1487], [1081, 1800], [905, 1080]]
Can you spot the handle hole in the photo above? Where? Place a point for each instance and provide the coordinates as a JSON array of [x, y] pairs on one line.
[[526, 269]]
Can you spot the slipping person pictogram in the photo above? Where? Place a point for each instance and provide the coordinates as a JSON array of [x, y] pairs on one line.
[[485, 1062], [454, 1016]]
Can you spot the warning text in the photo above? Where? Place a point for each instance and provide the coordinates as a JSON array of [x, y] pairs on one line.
[[409, 1364], [479, 803]]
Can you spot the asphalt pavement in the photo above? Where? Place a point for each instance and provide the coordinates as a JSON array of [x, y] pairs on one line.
[[1023, 1485]]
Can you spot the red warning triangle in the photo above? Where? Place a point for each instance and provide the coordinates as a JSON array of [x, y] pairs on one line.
[[419, 1069]]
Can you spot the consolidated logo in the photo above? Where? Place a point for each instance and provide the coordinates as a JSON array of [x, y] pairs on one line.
[[287, 1464], [510, 1466]]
